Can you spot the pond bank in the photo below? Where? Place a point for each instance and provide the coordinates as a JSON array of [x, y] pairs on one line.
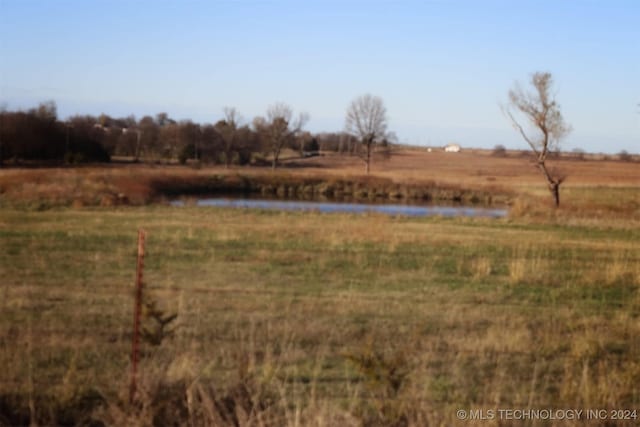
[[354, 189], [46, 188]]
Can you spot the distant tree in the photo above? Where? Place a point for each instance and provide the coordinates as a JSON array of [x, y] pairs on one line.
[[624, 156], [228, 131], [386, 145], [85, 140], [313, 145], [104, 120], [248, 142], [129, 121], [37, 135], [210, 143], [188, 140], [279, 128], [32, 135], [578, 153], [108, 131], [302, 141], [347, 144], [499, 151], [126, 142], [163, 119], [47, 110], [542, 112], [330, 141], [130, 142], [367, 121], [168, 140], [186, 152], [149, 140]]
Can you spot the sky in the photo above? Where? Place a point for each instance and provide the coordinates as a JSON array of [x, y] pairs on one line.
[[443, 68]]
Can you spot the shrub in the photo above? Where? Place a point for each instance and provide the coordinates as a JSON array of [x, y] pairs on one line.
[[624, 156], [499, 151]]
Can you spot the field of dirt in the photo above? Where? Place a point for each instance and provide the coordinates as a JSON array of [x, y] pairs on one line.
[[480, 167]]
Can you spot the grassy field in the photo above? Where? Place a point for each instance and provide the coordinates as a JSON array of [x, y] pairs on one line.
[[323, 319], [593, 189]]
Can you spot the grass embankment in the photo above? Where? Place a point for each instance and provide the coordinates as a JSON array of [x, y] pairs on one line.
[[312, 319], [44, 189], [593, 189]]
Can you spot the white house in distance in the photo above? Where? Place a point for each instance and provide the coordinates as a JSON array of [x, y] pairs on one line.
[[452, 148]]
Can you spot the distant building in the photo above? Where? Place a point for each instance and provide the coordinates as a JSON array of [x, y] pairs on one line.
[[452, 148]]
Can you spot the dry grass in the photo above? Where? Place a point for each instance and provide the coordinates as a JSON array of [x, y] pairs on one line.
[[594, 189], [310, 319]]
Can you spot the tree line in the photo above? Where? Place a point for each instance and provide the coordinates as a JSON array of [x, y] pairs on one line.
[[38, 135]]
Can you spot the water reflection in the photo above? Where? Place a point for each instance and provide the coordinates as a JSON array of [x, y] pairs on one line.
[[388, 209]]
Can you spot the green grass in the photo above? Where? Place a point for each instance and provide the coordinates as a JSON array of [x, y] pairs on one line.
[[313, 309]]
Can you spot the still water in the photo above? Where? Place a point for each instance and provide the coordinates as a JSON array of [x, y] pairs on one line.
[[388, 209]]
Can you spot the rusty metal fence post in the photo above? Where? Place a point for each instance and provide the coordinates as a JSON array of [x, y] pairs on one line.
[[137, 311]]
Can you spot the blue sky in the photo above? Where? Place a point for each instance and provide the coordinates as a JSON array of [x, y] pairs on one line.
[[442, 67]]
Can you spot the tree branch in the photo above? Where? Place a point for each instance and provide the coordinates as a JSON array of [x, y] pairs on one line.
[[516, 125]]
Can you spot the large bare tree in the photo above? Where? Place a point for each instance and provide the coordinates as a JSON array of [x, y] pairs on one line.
[[280, 127], [367, 121], [546, 126]]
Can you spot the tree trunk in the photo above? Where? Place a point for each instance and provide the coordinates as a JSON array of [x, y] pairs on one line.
[[368, 159], [555, 190], [137, 153], [554, 183]]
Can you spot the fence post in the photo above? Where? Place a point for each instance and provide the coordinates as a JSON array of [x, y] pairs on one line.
[[137, 309]]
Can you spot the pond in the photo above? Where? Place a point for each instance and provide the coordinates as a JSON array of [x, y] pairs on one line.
[[388, 209]]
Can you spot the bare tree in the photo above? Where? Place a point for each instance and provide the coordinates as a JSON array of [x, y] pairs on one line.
[[228, 130], [367, 121], [188, 134], [162, 119], [168, 137], [280, 128], [303, 139], [547, 126], [47, 110], [149, 141]]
